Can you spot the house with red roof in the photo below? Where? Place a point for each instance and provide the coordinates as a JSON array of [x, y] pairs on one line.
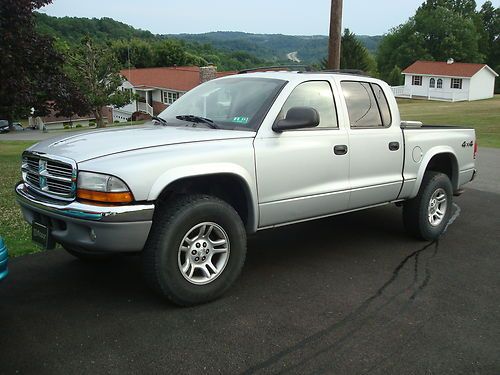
[[157, 88], [450, 81]]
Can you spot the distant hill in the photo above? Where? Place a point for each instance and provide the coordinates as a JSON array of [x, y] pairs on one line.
[[273, 46], [72, 29], [268, 47]]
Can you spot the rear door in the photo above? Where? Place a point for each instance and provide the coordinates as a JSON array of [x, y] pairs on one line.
[[375, 144], [299, 173]]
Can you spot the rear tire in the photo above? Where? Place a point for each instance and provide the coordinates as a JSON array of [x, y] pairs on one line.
[[195, 250], [426, 215]]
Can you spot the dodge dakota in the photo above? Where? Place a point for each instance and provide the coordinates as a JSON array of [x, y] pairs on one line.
[[234, 156]]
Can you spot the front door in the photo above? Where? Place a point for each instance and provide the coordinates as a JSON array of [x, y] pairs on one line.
[[299, 173]]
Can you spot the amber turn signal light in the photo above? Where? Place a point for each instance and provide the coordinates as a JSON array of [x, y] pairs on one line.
[[99, 196]]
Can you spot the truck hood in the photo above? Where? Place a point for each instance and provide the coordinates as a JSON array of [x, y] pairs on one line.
[[91, 145]]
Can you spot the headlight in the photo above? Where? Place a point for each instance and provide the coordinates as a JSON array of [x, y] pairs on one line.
[[102, 188]]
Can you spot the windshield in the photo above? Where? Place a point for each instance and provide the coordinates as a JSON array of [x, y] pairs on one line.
[[233, 103]]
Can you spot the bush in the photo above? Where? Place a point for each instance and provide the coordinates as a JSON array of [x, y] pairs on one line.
[[78, 126], [91, 123], [67, 126], [116, 122]]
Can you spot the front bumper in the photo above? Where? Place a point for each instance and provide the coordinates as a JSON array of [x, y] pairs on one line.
[[89, 227]]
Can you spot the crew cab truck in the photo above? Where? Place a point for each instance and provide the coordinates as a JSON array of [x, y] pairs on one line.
[[234, 156]]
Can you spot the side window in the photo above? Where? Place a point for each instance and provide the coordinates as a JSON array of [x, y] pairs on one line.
[[361, 105], [315, 94], [383, 105]]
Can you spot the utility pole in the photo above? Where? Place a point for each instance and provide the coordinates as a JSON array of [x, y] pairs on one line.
[[335, 35]]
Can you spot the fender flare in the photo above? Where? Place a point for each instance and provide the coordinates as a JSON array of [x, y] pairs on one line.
[[438, 150], [206, 169]]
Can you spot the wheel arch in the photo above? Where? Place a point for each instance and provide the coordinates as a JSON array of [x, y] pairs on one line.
[[440, 159], [229, 183]]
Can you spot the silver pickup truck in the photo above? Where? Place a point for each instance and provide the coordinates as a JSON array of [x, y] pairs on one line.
[[234, 156]]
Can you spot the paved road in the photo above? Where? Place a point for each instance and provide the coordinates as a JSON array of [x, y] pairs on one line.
[[37, 135], [351, 294], [488, 165]]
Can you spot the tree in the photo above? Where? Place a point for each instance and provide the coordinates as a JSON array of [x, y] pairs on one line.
[[466, 8], [353, 55], [139, 52], [395, 78], [31, 74], [94, 69], [439, 30], [169, 53], [490, 43]]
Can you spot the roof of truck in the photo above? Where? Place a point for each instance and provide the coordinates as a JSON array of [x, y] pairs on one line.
[[294, 76]]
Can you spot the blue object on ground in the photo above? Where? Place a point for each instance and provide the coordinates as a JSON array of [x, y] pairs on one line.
[[4, 257]]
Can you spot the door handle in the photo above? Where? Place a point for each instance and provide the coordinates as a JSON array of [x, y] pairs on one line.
[[394, 146], [340, 150]]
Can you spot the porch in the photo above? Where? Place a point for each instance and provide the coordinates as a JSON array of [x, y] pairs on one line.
[[145, 100], [431, 94]]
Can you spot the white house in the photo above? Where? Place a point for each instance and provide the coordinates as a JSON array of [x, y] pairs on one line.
[[157, 88], [451, 81]]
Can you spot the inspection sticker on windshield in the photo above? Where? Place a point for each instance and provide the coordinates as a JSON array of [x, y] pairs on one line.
[[241, 120]]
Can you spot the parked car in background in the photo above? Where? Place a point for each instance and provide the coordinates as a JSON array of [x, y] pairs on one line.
[[4, 256], [234, 156], [5, 128]]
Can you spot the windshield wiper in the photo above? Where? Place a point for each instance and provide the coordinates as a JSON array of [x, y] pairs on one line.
[[160, 120], [198, 119]]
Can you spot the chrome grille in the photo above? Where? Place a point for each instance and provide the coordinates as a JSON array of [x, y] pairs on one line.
[[50, 175]]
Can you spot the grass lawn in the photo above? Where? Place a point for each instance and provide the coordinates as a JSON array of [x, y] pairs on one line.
[[15, 231], [482, 115]]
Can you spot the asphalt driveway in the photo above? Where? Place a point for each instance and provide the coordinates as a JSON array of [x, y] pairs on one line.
[[350, 294]]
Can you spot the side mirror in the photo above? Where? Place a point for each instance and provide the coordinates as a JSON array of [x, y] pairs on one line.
[[297, 118]]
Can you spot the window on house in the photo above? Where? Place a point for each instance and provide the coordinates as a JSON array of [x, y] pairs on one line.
[[417, 80], [169, 97], [366, 104], [315, 94], [432, 83], [439, 83], [456, 83]]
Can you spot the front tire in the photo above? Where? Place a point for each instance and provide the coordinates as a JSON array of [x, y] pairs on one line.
[[426, 215], [195, 250]]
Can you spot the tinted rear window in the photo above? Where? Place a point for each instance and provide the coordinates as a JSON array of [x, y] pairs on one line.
[[366, 104]]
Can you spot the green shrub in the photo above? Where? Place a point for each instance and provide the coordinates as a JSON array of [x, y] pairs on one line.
[[78, 126]]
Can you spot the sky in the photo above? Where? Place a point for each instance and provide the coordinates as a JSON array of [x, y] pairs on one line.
[[292, 17]]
